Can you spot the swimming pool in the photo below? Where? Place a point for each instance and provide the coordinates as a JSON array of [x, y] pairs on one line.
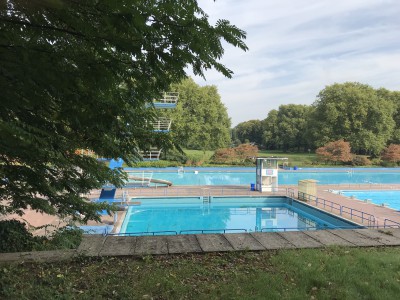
[[190, 215], [205, 177], [391, 197]]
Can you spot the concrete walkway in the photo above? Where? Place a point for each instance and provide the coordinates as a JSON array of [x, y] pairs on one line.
[[97, 245]]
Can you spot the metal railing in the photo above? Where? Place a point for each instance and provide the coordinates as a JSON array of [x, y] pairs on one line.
[[341, 210], [363, 185], [279, 229], [162, 124], [390, 224], [165, 232], [193, 231], [153, 154], [168, 97]]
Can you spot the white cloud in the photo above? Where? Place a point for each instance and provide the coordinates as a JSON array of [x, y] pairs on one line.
[[299, 47]]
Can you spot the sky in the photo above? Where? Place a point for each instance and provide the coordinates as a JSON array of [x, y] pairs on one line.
[[298, 47]]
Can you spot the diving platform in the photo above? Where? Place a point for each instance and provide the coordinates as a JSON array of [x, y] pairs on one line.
[[168, 100], [162, 125], [152, 154], [142, 179]]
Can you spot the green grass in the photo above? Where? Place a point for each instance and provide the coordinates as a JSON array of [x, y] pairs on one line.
[[199, 155], [294, 159], [332, 273]]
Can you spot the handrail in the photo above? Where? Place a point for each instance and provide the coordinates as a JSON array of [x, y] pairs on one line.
[[396, 224], [210, 230], [365, 217], [272, 229], [371, 218], [166, 232]]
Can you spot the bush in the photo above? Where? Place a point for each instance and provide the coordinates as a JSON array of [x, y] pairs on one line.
[[243, 154], [337, 151], [157, 164], [63, 238], [391, 153], [15, 237], [389, 164], [377, 161], [225, 155], [359, 160]]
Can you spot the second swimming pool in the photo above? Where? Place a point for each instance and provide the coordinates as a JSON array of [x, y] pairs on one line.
[[203, 177], [190, 215], [390, 198]]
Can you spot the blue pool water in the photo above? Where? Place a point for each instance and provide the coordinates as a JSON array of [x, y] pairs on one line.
[[377, 197], [245, 178], [236, 214]]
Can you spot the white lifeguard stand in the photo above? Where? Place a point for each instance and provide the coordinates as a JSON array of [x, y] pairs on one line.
[[267, 173]]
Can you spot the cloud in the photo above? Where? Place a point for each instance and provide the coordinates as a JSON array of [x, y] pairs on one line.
[[299, 47]]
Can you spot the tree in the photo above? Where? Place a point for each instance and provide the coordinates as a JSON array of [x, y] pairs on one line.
[[200, 120], [391, 153], [337, 151], [291, 126], [394, 97], [270, 130], [82, 75], [250, 130], [354, 112]]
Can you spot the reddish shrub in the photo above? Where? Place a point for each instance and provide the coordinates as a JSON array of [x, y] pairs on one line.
[[391, 153], [335, 151]]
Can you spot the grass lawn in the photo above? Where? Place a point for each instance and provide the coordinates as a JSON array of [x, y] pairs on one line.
[[199, 155], [294, 159], [330, 273]]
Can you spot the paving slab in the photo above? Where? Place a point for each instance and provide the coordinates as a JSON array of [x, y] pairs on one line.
[[243, 241], [326, 238], [214, 243], [10, 257], [272, 240], [355, 237], [91, 245], [118, 246], [38, 256], [383, 236], [183, 244], [394, 231], [300, 239], [151, 245], [48, 256]]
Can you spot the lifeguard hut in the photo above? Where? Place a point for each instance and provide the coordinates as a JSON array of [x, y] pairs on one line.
[[267, 173]]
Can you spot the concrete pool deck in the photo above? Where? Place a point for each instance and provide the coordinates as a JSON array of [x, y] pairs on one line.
[[132, 246]]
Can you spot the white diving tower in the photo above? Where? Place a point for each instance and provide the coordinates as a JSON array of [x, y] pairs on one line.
[[267, 173]]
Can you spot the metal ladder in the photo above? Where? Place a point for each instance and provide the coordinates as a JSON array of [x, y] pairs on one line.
[[206, 199]]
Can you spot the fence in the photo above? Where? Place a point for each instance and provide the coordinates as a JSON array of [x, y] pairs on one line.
[[343, 211]]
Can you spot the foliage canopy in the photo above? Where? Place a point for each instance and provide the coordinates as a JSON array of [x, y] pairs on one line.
[[200, 120], [83, 74]]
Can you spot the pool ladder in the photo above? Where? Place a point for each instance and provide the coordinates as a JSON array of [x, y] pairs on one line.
[[206, 199]]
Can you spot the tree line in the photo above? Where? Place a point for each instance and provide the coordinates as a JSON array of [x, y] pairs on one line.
[[367, 118]]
